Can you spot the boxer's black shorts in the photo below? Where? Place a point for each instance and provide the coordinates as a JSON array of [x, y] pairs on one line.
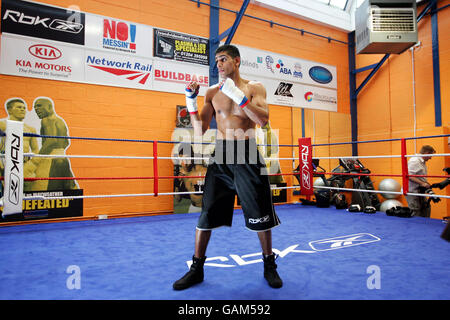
[[236, 167]]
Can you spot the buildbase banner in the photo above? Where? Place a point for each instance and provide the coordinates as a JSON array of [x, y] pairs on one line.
[[173, 77]]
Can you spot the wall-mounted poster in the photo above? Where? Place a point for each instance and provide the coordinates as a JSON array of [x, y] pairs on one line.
[[180, 47]]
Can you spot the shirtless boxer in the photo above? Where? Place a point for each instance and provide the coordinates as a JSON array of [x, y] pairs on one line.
[[238, 105], [17, 110], [52, 125]]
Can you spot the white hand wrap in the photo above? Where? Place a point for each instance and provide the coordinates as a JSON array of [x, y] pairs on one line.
[[191, 100], [234, 93]]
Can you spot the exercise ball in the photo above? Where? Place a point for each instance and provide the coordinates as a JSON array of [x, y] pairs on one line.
[[390, 203], [389, 185], [318, 182]]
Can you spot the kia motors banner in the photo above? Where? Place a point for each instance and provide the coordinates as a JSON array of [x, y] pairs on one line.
[[36, 58], [181, 47], [42, 21]]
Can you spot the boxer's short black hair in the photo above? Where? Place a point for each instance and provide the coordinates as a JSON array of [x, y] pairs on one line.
[[231, 50]]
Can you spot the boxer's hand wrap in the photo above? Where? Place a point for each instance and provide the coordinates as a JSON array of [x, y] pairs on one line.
[[191, 100], [234, 93]]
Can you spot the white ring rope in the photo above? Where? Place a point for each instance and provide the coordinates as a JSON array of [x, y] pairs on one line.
[[359, 157], [108, 157], [206, 158], [387, 192], [128, 195], [200, 192]]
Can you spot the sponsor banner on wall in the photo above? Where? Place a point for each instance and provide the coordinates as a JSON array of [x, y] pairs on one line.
[[180, 47], [38, 58], [294, 94], [118, 36], [42, 21], [319, 98], [118, 70], [271, 65], [173, 77], [54, 208]]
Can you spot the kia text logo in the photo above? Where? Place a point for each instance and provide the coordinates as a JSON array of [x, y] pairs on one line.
[[55, 24], [44, 51]]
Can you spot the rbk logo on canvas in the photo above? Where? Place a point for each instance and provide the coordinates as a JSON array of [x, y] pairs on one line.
[[315, 247], [343, 242]]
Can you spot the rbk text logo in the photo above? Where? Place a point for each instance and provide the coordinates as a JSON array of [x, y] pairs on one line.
[[316, 246], [55, 24]]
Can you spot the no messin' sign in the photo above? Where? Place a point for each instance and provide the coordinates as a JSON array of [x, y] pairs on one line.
[[13, 192]]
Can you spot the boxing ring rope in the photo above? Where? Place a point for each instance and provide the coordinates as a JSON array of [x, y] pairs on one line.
[[156, 177]]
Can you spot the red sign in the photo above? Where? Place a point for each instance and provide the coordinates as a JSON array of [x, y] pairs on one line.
[[306, 170]]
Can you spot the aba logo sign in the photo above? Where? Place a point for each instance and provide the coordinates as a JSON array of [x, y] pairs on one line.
[[118, 35], [41, 21]]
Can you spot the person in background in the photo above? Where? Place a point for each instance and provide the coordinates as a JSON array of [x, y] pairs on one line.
[[417, 166]]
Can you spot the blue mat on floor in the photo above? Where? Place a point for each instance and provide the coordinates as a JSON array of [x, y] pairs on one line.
[[324, 254]]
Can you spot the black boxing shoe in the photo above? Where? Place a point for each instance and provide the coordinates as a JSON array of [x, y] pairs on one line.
[[193, 276], [270, 271]]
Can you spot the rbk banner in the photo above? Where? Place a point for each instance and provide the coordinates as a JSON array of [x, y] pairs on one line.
[[305, 167], [41, 21]]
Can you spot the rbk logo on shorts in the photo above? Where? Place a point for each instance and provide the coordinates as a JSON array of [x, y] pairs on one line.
[[259, 220], [343, 242]]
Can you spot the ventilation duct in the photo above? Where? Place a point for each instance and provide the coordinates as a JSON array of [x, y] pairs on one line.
[[386, 26]]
